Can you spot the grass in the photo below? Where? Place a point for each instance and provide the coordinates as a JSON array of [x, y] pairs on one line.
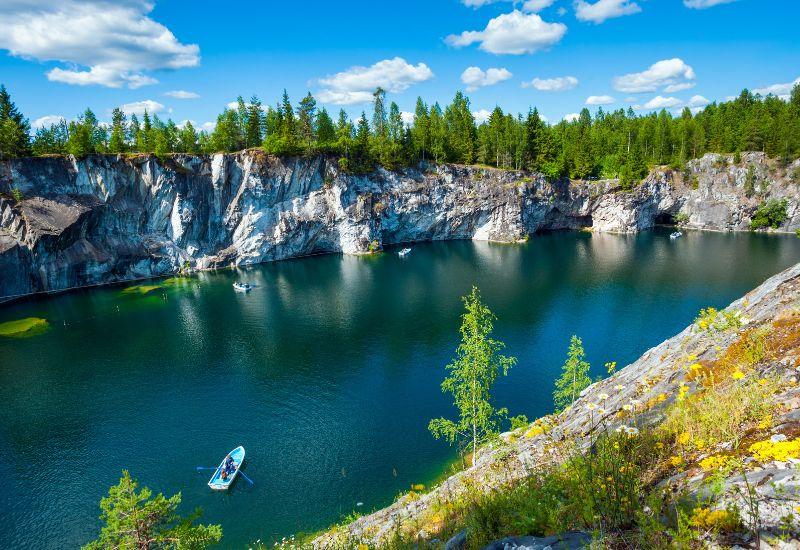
[[24, 328]]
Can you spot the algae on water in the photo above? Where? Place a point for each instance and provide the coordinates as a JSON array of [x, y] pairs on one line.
[[141, 289], [24, 328]]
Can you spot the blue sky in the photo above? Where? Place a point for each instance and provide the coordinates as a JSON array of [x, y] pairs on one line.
[[57, 58]]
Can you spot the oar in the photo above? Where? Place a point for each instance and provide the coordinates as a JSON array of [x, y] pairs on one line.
[[206, 468], [250, 481]]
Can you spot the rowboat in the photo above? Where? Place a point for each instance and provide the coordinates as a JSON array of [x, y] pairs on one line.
[[216, 482], [242, 287], [404, 252], [675, 235]]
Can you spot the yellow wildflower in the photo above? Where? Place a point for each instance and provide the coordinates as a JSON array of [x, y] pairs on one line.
[[737, 375], [695, 367], [675, 460], [684, 438], [765, 423], [767, 450], [762, 381], [714, 462], [662, 397]]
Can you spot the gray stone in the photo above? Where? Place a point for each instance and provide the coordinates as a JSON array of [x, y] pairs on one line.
[[457, 542], [572, 540]]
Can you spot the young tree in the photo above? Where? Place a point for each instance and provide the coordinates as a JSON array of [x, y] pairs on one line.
[[574, 376], [187, 139], [140, 521], [255, 122], [750, 181], [326, 131], [471, 375], [306, 114]]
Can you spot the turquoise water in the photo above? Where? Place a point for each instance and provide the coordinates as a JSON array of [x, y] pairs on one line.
[[327, 373]]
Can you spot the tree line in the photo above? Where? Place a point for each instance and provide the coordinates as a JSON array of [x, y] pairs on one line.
[[610, 144]]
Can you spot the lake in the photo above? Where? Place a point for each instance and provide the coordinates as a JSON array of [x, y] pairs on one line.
[[327, 373]]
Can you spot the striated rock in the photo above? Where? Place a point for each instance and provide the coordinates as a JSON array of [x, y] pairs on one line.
[[109, 218], [572, 540]]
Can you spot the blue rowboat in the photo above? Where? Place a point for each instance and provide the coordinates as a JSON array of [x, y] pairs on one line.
[[216, 482]]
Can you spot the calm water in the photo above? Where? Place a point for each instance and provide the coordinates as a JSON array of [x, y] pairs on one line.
[[327, 373]]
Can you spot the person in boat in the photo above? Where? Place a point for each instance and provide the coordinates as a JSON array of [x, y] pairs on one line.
[[229, 465]]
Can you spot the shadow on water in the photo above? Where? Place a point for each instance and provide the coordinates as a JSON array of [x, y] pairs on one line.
[[327, 373]]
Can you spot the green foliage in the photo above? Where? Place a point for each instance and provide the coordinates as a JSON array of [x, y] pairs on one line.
[[750, 181], [471, 375], [16, 194], [771, 213], [609, 144], [574, 376], [712, 320], [681, 218], [139, 520], [519, 421]]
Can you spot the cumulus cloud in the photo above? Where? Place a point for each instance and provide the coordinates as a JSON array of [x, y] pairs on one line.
[[783, 91], [703, 4], [673, 88], [558, 84], [603, 10], [530, 6], [356, 84], [46, 121], [661, 102], [475, 77], [697, 101], [481, 116], [100, 42], [667, 72], [139, 107], [408, 117], [182, 94], [570, 117], [600, 100], [513, 33]]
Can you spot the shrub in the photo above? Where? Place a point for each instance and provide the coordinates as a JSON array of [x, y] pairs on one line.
[[681, 218], [17, 195], [771, 213]]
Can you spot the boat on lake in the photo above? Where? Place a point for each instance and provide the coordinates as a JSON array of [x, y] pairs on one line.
[[675, 235], [404, 252], [242, 287], [217, 482]]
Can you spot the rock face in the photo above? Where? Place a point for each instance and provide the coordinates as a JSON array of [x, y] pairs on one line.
[[113, 218]]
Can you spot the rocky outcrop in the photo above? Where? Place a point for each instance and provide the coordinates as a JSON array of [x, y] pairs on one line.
[[109, 218]]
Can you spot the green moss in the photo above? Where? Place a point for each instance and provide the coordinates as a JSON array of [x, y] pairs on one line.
[[24, 328]]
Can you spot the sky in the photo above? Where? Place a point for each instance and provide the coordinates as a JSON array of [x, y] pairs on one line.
[[187, 60]]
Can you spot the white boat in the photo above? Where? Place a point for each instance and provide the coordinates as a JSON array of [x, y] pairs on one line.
[[217, 482], [242, 287], [675, 235], [404, 252]]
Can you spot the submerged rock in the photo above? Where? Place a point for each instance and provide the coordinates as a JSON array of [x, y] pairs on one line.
[[572, 540]]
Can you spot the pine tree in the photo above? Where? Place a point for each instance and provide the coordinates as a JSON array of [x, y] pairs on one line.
[[117, 141], [255, 122], [574, 376], [14, 128], [187, 139], [326, 131], [306, 113], [137, 520], [421, 130]]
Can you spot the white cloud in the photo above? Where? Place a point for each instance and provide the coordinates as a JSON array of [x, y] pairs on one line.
[[512, 33], [139, 107], [103, 42], [663, 73], [558, 84], [356, 84], [408, 118], [781, 90], [475, 77], [672, 88], [697, 101], [46, 121], [600, 100], [631, 99], [660, 102], [182, 94], [603, 10], [569, 117], [533, 6], [703, 4], [481, 116], [208, 126], [530, 6]]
